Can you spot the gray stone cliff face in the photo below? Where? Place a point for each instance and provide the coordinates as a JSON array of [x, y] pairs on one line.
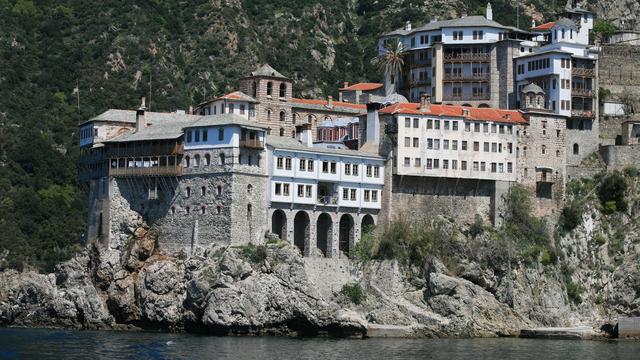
[[227, 290]]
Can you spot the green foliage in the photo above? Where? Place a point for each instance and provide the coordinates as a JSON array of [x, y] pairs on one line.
[[611, 193], [603, 94], [477, 228], [366, 248], [603, 29], [354, 292], [571, 216], [631, 171], [600, 239], [255, 254], [574, 292]]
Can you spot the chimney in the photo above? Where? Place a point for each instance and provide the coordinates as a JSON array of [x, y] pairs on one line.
[[372, 134], [190, 109], [141, 120], [465, 112], [330, 101], [489, 12], [304, 135], [407, 26], [533, 23], [345, 84], [425, 102]]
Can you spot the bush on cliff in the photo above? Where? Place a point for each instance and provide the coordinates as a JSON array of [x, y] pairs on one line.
[[611, 193], [255, 254], [353, 292]]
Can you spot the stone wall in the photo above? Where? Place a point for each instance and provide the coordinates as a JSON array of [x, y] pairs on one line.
[[611, 129], [620, 156]]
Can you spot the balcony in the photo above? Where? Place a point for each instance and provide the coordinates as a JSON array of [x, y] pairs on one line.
[[418, 64], [466, 98], [480, 57], [252, 143], [174, 170], [328, 200], [141, 149], [582, 92], [583, 72], [582, 114], [482, 77]]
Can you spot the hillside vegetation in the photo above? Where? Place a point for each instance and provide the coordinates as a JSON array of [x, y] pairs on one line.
[[177, 53]]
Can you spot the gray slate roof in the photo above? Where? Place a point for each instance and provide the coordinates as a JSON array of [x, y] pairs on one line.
[[288, 143], [267, 70], [225, 119], [533, 88], [335, 107], [564, 22], [467, 21], [339, 122], [129, 116]]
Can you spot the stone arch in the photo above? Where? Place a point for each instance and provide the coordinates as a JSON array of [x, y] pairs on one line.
[[576, 149], [283, 90], [279, 224], [281, 131], [187, 161], [269, 114], [207, 159], [347, 233], [301, 230], [310, 118], [484, 106], [467, 105], [283, 115], [367, 225], [295, 118], [196, 160], [222, 158], [324, 232]]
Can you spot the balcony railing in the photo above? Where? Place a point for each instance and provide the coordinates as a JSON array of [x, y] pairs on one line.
[[174, 170], [582, 92], [483, 57], [466, 98], [145, 150], [582, 113], [328, 200], [467, 77], [583, 72], [252, 143], [418, 64]]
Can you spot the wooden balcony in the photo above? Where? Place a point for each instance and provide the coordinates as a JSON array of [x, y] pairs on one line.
[[175, 170], [582, 92], [588, 114], [141, 149], [466, 98], [252, 143], [467, 57], [583, 72], [483, 77]]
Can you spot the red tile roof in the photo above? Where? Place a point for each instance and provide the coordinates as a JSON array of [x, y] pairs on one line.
[[478, 114], [325, 103], [362, 87], [543, 27]]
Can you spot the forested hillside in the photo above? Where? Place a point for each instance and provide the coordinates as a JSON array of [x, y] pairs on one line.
[[177, 53]]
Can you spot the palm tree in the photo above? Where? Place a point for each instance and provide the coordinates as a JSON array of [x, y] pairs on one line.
[[391, 62]]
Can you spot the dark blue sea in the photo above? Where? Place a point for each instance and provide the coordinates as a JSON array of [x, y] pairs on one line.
[[62, 344]]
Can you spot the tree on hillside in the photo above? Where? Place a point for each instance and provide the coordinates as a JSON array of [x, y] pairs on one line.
[[391, 62]]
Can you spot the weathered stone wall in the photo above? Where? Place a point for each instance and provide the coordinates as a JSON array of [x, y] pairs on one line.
[[619, 157], [416, 197], [619, 69], [611, 129], [502, 87]]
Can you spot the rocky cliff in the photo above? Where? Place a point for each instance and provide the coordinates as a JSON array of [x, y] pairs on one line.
[[272, 289]]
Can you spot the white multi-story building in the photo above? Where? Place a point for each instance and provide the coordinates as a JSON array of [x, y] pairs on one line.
[[322, 198]]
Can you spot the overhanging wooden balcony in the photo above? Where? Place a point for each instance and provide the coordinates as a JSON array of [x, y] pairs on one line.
[[175, 170], [583, 72], [483, 77], [144, 149], [588, 114], [582, 92], [477, 57], [252, 143]]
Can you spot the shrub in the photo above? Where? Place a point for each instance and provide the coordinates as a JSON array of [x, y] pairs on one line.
[[611, 193], [570, 217], [255, 254], [477, 228], [600, 239], [574, 292], [631, 171], [366, 248], [353, 292]]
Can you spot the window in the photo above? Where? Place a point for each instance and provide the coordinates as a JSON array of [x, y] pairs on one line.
[[345, 194], [436, 144], [485, 128], [483, 166], [308, 189], [376, 171], [187, 192], [576, 149], [281, 131], [429, 163], [220, 134], [407, 122], [219, 190], [446, 125], [278, 190], [283, 90], [280, 163], [333, 167], [369, 170], [416, 123], [416, 142], [454, 145], [476, 166], [249, 189], [268, 115], [241, 109], [196, 160], [476, 127], [476, 146], [494, 167], [418, 162], [189, 136], [353, 195], [494, 147], [207, 159], [429, 124], [269, 88], [285, 189], [436, 163], [374, 195], [445, 164], [287, 163], [325, 166], [302, 164], [463, 165], [347, 169], [187, 161], [486, 147], [436, 124], [407, 162], [367, 195], [464, 145], [203, 191], [407, 141], [454, 125], [188, 209], [309, 165], [454, 164], [300, 190], [231, 108], [467, 127], [429, 143]]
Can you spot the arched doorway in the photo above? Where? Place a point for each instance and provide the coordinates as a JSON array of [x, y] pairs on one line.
[[324, 232], [300, 230], [367, 225], [279, 224], [346, 233]]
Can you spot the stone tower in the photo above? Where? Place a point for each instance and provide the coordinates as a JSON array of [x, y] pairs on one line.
[[273, 91], [533, 97]]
